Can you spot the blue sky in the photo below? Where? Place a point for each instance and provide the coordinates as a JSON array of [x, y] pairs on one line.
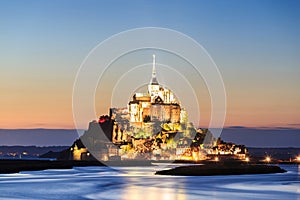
[[255, 44]]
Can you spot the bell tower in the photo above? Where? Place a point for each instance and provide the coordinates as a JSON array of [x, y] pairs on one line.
[[153, 87]]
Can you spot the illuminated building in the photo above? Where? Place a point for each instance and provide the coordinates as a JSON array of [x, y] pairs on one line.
[[78, 151], [158, 104]]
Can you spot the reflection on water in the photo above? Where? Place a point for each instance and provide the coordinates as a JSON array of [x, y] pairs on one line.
[[137, 192], [141, 184], [150, 188]]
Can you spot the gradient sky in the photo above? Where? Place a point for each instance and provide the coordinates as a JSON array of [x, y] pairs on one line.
[[255, 44]]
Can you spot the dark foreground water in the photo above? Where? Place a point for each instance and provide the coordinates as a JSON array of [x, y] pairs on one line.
[[140, 183]]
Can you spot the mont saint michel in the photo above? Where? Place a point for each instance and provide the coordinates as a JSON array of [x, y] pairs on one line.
[[153, 126]]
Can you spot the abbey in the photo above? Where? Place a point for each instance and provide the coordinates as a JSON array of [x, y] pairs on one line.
[[158, 104]]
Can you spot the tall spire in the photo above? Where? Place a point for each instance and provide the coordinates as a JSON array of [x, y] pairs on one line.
[[153, 67], [153, 79]]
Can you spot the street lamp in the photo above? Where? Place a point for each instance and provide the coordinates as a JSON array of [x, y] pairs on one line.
[[268, 159], [247, 159]]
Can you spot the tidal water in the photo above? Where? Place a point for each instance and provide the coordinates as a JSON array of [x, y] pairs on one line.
[[140, 183]]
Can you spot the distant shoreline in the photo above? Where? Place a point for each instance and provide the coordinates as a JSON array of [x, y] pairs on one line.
[[278, 137]]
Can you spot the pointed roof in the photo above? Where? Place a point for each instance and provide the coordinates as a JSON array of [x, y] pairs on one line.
[[153, 79]]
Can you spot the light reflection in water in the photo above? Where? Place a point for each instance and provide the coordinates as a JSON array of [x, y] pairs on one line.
[[153, 188], [153, 193]]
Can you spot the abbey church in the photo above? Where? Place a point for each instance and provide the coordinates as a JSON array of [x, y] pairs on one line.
[[158, 104]]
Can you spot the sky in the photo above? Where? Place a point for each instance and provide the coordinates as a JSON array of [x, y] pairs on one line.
[[255, 45]]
